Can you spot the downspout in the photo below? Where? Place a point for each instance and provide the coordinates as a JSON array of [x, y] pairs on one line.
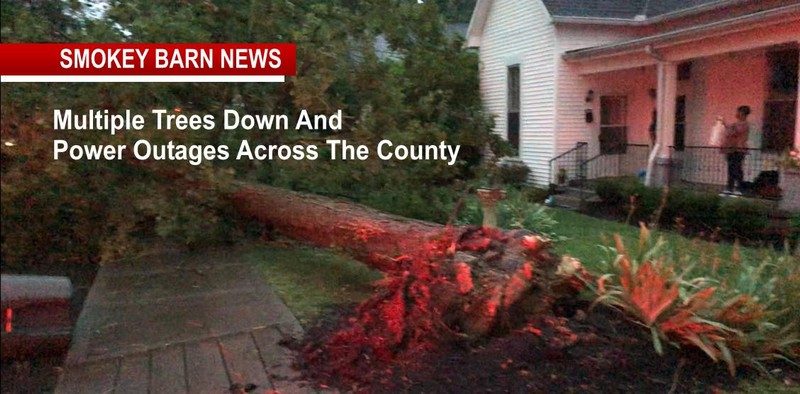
[[651, 159]]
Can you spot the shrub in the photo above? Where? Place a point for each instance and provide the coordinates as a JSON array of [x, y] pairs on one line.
[[433, 204], [535, 194], [613, 191], [470, 213], [648, 200], [515, 212], [699, 210], [618, 192], [794, 233], [743, 218], [513, 172]]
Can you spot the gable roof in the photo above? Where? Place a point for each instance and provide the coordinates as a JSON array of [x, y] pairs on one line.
[[784, 14], [614, 12], [664, 7], [608, 12], [634, 10], [617, 9]]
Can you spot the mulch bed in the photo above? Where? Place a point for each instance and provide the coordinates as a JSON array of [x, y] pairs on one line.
[[575, 352]]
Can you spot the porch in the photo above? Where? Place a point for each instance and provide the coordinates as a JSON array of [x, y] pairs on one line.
[[702, 168], [652, 102]]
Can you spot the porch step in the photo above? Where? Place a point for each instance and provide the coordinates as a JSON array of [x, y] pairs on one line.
[[574, 198], [574, 190]]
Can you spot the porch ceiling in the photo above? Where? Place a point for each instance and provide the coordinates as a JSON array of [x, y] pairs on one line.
[[760, 29]]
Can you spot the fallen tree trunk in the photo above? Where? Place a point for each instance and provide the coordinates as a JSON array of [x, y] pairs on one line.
[[485, 266], [370, 236], [441, 282]]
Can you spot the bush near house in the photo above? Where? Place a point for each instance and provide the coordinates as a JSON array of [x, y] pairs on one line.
[[743, 218], [535, 194], [615, 191], [618, 192], [513, 172], [699, 212]]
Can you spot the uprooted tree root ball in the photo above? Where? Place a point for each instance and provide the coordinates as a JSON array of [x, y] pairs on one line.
[[441, 295]]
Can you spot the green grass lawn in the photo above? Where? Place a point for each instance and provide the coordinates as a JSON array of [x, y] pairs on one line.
[[310, 280]]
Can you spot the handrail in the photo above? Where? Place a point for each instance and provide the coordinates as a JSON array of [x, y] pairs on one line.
[[585, 170], [603, 154], [586, 162], [578, 145], [574, 151]]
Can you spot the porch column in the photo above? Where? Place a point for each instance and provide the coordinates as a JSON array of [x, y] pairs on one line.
[[797, 118], [797, 123], [659, 161]]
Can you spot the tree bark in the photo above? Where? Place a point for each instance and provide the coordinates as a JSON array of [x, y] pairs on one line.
[[489, 273], [370, 236]]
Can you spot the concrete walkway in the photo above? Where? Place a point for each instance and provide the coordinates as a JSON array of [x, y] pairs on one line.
[[181, 323]]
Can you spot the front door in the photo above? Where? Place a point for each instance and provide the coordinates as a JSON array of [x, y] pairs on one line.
[[613, 124]]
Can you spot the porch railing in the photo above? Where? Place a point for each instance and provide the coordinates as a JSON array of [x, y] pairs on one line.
[[565, 168], [631, 161], [708, 165], [700, 165]]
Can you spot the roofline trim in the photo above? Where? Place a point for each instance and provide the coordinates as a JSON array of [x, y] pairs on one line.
[[637, 44], [477, 22]]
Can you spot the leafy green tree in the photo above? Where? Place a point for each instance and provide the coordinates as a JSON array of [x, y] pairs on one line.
[[425, 92]]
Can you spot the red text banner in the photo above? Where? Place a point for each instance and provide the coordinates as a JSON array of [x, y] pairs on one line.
[[151, 62]]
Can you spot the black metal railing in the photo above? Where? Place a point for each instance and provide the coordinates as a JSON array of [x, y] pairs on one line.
[[708, 165], [565, 168], [631, 161]]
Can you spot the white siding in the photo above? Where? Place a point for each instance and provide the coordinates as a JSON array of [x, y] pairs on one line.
[[520, 32], [572, 88]]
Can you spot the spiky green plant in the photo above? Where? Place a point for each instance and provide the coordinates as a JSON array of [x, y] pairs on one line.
[[741, 312]]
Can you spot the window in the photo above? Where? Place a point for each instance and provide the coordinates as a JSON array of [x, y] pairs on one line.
[[685, 71], [613, 124], [513, 106], [680, 123], [781, 104]]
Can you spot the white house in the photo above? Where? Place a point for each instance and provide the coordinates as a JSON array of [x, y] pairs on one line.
[[638, 81]]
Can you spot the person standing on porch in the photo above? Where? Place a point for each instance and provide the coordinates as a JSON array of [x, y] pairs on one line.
[[734, 146]]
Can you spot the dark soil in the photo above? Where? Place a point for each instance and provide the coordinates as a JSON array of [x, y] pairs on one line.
[[598, 352]]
